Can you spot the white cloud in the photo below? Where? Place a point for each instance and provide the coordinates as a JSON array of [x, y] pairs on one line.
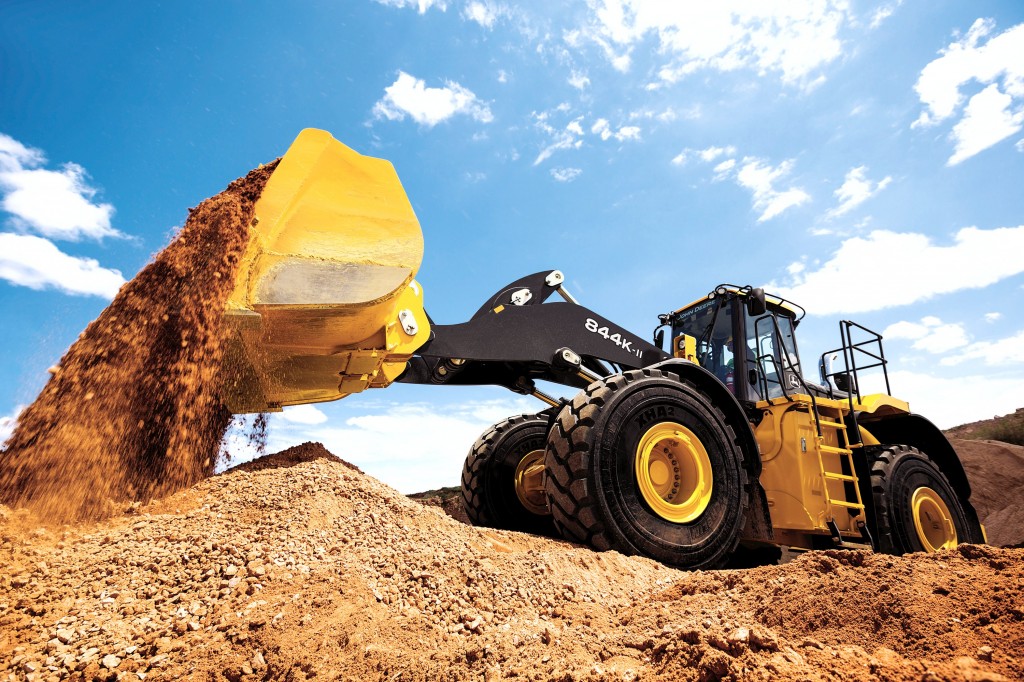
[[792, 39], [1019, 146], [882, 13], [893, 269], [413, 447], [7, 424], [303, 414], [34, 262], [708, 154], [420, 6], [666, 115], [993, 317], [712, 153], [578, 80], [929, 335], [602, 129], [502, 76], [565, 174], [55, 203], [987, 120], [627, 133], [754, 174], [484, 13], [14, 154], [760, 178], [1002, 352], [428, 106], [569, 137], [855, 190], [723, 169], [991, 115]]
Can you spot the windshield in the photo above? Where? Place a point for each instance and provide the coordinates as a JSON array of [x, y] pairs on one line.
[[710, 322]]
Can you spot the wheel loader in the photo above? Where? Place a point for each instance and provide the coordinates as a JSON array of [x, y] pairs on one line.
[[711, 452]]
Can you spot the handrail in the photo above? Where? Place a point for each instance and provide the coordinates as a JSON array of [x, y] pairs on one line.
[[850, 370]]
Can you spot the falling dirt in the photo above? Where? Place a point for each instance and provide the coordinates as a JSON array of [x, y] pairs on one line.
[[299, 566], [131, 411]]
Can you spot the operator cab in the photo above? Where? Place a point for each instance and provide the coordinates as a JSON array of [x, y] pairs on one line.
[[744, 338]]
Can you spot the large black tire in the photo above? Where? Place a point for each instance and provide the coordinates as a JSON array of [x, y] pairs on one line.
[[908, 492], [489, 476], [593, 476]]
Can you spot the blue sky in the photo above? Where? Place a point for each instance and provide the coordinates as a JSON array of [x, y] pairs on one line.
[[865, 159]]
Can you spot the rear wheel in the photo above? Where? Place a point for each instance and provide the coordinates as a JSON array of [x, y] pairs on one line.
[[502, 479], [644, 463], [915, 507]]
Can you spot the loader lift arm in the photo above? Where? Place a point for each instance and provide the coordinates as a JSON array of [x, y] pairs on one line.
[[513, 340]]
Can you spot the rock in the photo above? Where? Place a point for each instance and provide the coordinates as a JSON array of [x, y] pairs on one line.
[[110, 661], [985, 653], [739, 636], [66, 636]]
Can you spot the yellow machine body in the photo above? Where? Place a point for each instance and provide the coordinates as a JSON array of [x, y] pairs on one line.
[[810, 481], [324, 303]]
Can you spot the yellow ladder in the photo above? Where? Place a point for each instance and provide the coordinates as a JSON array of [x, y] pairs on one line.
[[831, 419]]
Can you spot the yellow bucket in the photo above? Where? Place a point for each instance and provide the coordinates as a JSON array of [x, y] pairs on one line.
[[324, 303]]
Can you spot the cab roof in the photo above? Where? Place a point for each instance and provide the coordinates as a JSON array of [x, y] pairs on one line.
[[773, 300]]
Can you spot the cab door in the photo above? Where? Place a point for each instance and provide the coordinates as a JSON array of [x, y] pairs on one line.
[[770, 355]]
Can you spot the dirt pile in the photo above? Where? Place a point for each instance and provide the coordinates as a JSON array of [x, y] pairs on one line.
[[300, 566], [131, 411], [996, 473]]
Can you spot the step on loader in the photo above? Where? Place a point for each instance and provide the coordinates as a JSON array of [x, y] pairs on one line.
[[716, 451]]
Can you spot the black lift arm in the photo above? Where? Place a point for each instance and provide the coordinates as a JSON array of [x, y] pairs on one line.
[[513, 340]]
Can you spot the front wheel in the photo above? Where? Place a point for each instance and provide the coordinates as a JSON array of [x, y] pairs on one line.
[[915, 507], [502, 479], [645, 463]]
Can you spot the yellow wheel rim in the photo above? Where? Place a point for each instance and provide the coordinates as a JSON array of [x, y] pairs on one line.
[[673, 471], [932, 520], [530, 482]]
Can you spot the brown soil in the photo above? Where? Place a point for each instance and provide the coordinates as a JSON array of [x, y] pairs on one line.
[[299, 566], [132, 412]]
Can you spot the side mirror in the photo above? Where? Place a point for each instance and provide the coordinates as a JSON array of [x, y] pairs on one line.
[[659, 339], [825, 367], [755, 302]]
